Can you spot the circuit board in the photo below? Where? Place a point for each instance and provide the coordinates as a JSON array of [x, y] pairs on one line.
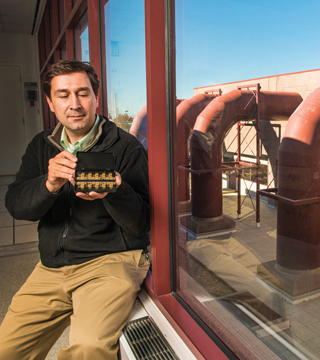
[[95, 172]]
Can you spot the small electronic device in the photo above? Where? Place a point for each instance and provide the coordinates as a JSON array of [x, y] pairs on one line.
[[31, 95], [95, 172]]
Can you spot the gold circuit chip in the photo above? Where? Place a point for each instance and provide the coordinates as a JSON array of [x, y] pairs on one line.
[[95, 172]]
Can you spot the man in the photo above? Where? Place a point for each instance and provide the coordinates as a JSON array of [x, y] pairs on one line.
[[92, 245]]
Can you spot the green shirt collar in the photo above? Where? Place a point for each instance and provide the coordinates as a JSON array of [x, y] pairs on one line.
[[81, 144]]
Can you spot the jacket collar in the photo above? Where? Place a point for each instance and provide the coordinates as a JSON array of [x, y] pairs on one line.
[[106, 127]]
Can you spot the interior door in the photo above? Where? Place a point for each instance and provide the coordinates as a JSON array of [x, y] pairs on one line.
[[12, 132]]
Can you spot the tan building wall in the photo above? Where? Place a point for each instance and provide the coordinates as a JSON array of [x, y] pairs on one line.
[[301, 82]]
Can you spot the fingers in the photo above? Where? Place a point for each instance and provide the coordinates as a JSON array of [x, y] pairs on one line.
[[61, 169], [118, 179], [91, 195], [63, 165]]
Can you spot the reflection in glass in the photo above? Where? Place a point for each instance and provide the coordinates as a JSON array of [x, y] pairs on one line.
[[247, 203], [81, 39], [125, 64]]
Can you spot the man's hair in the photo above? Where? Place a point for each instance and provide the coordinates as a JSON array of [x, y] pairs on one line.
[[63, 67]]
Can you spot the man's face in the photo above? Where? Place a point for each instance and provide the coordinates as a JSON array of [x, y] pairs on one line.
[[74, 103]]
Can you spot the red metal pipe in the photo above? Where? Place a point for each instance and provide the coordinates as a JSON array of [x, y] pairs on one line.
[[209, 132], [298, 239], [186, 116], [139, 127]]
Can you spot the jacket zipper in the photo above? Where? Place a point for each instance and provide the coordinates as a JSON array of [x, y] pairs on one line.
[[66, 228], [64, 236]]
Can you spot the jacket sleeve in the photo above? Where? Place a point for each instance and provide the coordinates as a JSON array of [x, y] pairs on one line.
[[129, 205], [27, 197]]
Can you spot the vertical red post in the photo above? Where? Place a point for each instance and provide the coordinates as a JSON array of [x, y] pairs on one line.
[[55, 21], [47, 31], [239, 172], [258, 158], [94, 42], [68, 7], [69, 43], [69, 32], [104, 89], [56, 55], [157, 140], [42, 50]]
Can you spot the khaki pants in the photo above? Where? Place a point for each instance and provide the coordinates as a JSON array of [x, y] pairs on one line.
[[96, 298]]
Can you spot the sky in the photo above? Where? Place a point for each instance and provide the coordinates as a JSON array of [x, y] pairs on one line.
[[85, 45], [217, 41], [126, 64], [220, 41]]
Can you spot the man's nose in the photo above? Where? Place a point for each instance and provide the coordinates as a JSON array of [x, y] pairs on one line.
[[75, 102]]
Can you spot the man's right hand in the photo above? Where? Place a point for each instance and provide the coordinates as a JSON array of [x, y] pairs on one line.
[[61, 169]]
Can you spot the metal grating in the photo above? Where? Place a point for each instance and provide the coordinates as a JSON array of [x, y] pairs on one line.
[[146, 340]]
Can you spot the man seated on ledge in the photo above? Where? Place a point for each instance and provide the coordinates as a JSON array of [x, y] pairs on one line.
[[92, 245]]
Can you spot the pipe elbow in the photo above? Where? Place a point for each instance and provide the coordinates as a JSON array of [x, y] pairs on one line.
[[303, 123], [211, 116], [139, 123]]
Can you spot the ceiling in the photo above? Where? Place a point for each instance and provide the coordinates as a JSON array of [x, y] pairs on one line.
[[18, 16]]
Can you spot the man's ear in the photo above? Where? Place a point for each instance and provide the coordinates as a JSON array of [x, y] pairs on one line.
[[97, 101], [50, 104]]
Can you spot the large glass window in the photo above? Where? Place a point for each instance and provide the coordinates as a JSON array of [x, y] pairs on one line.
[[81, 39], [125, 63], [247, 244]]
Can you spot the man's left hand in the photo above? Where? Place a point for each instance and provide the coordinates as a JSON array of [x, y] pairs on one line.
[[92, 195]]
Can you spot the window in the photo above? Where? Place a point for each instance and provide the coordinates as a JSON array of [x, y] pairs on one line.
[[242, 264], [73, 40], [81, 38], [125, 68]]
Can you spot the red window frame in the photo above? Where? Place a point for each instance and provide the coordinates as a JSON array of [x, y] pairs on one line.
[[158, 284]]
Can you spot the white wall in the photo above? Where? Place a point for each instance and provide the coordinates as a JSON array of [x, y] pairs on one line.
[[22, 49]]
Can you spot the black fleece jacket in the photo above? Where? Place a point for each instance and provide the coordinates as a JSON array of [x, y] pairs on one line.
[[72, 230]]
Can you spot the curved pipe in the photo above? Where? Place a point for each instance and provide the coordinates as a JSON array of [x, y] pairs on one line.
[[187, 112], [186, 115], [298, 239], [139, 127], [209, 132]]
